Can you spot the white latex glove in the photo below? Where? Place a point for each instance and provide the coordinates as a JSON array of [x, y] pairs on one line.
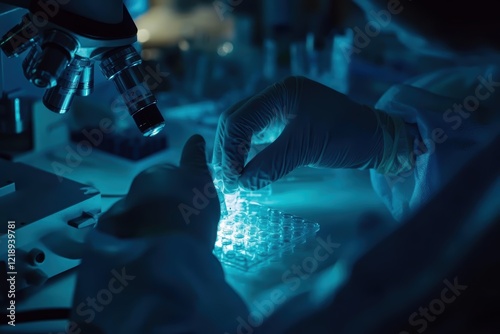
[[323, 128]]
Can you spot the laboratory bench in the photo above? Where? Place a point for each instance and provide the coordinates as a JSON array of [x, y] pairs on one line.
[[339, 200]]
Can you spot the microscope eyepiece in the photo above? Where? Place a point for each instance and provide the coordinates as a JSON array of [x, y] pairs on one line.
[[123, 67]]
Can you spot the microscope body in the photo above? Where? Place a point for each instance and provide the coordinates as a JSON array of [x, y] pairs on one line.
[[62, 47], [62, 40]]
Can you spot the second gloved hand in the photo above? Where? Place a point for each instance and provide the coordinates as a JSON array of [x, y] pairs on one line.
[[169, 199], [323, 128]]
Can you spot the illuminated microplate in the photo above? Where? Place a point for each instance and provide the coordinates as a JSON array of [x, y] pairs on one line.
[[250, 235]]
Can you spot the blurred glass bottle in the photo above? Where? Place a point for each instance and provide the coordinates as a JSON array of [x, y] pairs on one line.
[[277, 20], [341, 60]]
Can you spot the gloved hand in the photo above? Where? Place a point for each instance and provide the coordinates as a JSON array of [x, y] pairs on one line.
[[169, 199], [323, 128]]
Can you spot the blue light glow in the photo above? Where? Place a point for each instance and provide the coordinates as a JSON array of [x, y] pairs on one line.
[[250, 235]]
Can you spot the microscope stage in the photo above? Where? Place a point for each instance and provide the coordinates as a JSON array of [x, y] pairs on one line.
[[31, 195], [44, 219]]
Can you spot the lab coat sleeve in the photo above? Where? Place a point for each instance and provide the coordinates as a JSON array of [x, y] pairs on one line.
[[455, 113], [162, 284]]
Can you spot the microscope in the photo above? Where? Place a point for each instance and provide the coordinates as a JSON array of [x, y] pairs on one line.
[[44, 215], [63, 47]]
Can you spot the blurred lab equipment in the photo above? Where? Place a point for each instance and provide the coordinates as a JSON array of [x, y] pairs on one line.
[[65, 42], [48, 217], [263, 46], [14, 112], [125, 144], [326, 63], [307, 38]]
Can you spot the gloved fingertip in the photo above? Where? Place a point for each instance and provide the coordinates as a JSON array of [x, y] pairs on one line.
[[193, 154], [230, 186], [248, 186], [196, 141], [107, 221]]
